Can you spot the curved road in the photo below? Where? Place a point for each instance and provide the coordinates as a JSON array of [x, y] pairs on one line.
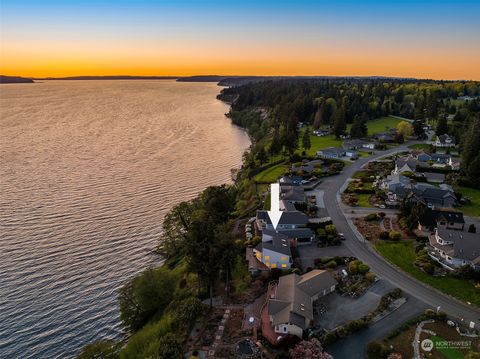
[[362, 250]]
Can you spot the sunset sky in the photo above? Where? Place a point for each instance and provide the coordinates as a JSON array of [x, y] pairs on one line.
[[427, 39]]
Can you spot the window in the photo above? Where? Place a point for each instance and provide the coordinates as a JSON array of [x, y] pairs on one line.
[[284, 266], [274, 265], [284, 258], [267, 258], [284, 329]]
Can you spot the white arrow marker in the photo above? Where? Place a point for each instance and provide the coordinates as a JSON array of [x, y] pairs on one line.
[[275, 214]]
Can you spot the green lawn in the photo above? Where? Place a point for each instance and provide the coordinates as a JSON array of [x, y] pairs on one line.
[[363, 200], [472, 209], [402, 254], [419, 146], [450, 353], [271, 174], [381, 124], [318, 143]]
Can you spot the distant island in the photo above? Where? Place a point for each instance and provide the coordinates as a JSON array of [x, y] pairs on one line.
[[226, 81], [116, 77], [14, 80]]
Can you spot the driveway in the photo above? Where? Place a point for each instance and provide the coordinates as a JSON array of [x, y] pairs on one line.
[[341, 309], [308, 253]]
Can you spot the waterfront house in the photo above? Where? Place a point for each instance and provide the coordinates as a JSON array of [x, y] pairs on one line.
[[289, 307], [288, 220], [274, 250]]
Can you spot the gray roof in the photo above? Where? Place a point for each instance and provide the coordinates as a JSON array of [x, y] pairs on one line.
[[434, 177], [440, 157], [353, 144], [292, 193], [333, 150], [293, 296], [288, 217], [443, 139], [276, 242], [465, 245], [410, 162], [297, 233]]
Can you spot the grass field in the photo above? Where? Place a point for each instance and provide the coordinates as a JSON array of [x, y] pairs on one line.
[[363, 200], [318, 143], [472, 209], [271, 174], [419, 146], [402, 254], [381, 124]]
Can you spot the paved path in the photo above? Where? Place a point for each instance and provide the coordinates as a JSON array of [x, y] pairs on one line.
[[356, 243]]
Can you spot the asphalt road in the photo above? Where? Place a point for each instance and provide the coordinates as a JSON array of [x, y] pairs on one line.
[[362, 250]]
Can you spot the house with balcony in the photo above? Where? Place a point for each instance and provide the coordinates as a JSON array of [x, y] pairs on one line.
[[454, 249]]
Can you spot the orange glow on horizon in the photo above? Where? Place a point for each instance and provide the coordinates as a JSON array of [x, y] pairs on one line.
[[171, 59]]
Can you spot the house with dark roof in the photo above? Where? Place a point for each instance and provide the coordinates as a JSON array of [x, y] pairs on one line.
[[442, 159], [288, 220], [293, 194], [434, 177], [405, 164], [331, 152], [423, 157], [433, 196], [448, 218], [290, 302], [454, 248], [385, 137], [274, 250], [444, 141]]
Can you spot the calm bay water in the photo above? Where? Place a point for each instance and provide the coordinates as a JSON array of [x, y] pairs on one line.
[[88, 169]]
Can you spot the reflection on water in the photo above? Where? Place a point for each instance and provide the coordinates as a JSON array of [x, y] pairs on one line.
[[88, 169]]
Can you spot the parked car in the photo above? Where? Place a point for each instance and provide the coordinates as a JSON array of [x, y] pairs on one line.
[[342, 236]]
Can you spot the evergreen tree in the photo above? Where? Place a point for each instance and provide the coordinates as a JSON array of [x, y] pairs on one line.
[[306, 139], [471, 154], [318, 120], [442, 126], [339, 124], [356, 129], [261, 155]]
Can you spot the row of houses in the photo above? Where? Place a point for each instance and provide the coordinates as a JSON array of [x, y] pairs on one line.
[[399, 187]]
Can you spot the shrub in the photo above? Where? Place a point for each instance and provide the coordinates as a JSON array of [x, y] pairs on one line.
[[353, 267], [394, 235], [377, 349], [332, 264], [331, 229], [381, 214], [363, 268], [371, 217], [384, 235], [370, 277]]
